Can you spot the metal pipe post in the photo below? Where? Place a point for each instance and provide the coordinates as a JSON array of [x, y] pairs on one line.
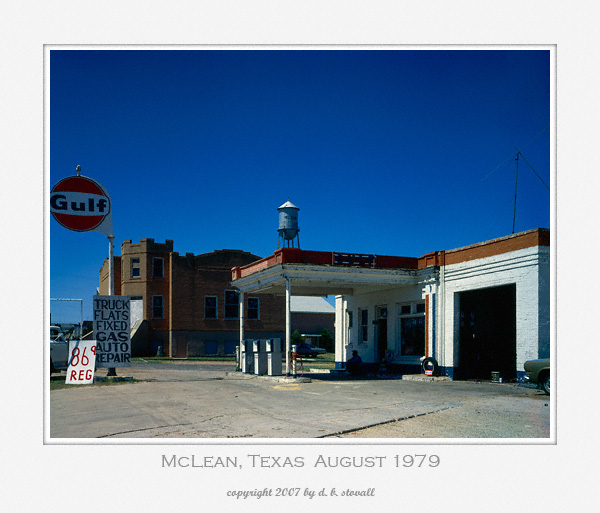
[[112, 371], [111, 271], [239, 352]]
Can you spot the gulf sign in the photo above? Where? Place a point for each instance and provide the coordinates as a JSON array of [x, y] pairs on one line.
[[80, 204]]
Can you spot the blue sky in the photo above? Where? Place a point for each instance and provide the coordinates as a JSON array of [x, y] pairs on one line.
[[397, 152]]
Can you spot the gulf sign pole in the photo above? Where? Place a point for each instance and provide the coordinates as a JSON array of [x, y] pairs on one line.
[[81, 204]]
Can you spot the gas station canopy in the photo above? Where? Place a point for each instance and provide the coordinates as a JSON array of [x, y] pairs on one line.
[[320, 273]]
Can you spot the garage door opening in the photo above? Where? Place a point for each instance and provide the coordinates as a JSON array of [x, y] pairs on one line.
[[487, 335]]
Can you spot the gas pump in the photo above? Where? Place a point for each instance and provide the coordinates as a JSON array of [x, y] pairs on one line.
[[260, 357], [274, 365], [246, 357]]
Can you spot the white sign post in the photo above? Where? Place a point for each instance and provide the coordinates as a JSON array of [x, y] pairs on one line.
[[82, 360], [111, 331]]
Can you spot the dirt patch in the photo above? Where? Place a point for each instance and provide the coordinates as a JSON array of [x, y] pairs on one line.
[[508, 417]]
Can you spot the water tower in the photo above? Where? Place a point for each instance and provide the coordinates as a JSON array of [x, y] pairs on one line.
[[288, 224]]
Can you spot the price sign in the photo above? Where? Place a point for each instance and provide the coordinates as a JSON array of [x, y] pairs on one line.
[[82, 360]]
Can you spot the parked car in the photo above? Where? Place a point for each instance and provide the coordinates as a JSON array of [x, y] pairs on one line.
[[59, 350], [306, 349], [538, 371]]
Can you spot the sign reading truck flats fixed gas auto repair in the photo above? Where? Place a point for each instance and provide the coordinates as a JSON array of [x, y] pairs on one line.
[[82, 360], [111, 331]]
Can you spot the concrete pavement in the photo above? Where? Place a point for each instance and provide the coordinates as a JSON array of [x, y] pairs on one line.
[[198, 400]]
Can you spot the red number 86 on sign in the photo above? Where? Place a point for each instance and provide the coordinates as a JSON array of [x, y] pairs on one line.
[[82, 361]]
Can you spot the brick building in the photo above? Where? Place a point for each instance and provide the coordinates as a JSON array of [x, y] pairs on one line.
[[186, 304]]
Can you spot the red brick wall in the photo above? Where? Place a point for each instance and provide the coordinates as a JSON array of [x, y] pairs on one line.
[[194, 277], [538, 237], [185, 283]]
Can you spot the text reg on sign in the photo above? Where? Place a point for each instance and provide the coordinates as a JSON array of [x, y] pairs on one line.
[[82, 361]]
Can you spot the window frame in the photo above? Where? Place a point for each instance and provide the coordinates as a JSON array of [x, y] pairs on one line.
[[162, 307], [363, 334], [257, 308], [132, 261], [162, 267], [414, 313], [231, 305], [216, 307]]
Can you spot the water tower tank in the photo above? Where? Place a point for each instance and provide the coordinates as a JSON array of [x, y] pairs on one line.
[[288, 222]]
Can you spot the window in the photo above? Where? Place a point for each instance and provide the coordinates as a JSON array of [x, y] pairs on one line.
[[364, 325], [232, 304], [135, 267], [211, 347], [412, 336], [412, 329], [158, 267], [231, 346], [157, 307], [253, 308], [350, 319], [210, 307]]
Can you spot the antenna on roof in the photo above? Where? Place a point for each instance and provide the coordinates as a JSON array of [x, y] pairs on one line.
[[515, 156], [512, 156], [516, 181]]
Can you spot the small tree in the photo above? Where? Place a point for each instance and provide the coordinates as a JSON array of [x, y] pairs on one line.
[[297, 338], [327, 341]]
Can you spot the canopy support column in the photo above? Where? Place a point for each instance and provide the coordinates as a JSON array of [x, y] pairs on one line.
[[242, 336], [288, 331]]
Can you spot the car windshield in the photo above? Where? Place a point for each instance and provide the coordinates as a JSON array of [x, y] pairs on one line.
[[56, 335]]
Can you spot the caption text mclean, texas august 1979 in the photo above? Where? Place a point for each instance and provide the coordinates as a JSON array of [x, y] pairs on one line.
[[281, 462]]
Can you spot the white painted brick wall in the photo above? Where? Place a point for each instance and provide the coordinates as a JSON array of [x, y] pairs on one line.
[[529, 270]]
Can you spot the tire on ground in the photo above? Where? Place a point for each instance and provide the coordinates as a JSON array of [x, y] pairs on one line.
[[428, 363]]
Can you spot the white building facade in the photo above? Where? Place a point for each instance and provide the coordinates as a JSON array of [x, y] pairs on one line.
[[474, 310]]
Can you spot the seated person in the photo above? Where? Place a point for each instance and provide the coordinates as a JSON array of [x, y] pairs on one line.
[[354, 365]]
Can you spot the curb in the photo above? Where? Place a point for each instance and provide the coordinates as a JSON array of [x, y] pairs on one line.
[[276, 379], [423, 377], [112, 378]]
